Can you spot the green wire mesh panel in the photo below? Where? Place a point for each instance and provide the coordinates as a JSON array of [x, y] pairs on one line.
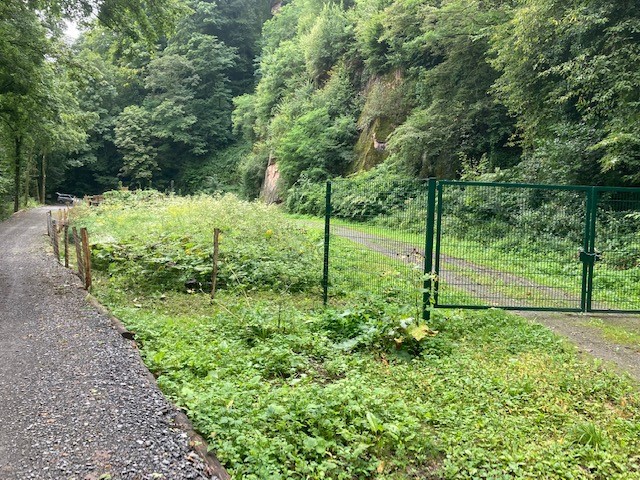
[[616, 276], [377, 240], [510, 246]]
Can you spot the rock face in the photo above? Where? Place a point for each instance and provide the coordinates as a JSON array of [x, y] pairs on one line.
[[370, 149], [269, 193], [385, 108], [378, 145]]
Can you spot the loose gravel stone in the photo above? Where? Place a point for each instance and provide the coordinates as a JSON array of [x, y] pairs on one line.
[[76, 403]]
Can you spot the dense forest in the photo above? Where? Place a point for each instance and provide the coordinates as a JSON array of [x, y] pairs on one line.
[[204, 95]]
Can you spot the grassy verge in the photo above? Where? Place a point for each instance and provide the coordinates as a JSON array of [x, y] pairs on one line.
[[616, 333], [284, 388], [5, 211]]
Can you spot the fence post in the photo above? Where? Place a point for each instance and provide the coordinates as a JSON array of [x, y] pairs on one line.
[[327, 235], [55, 239], [428, 249], [593, 208], [80, 264], [437, 237], [66, 245], [86, 258], [214, 274]]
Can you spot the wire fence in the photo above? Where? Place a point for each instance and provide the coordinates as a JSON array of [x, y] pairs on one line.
[[58, 224], [616, 277], [377, 244], [513, 246]]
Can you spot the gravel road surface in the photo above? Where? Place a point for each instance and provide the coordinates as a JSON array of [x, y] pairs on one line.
[[75, 400]]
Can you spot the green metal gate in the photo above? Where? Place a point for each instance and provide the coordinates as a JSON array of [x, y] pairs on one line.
[[536, 247], [614, 238], [517, 246]]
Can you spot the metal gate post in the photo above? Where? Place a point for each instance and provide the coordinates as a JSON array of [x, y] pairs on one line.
[[327, 235], [437, 240], [428, 249], [593, 194], [584, 250], [587, 254]]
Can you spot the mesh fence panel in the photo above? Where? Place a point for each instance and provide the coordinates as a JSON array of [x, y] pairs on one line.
[[616, 277], [510, 246], [377, 241]]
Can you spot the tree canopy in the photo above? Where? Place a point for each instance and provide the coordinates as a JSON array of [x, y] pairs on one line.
[[202, 95]]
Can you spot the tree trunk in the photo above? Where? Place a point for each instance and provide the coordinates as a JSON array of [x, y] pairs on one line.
[[27, 180], [16, 178], [43, 178]]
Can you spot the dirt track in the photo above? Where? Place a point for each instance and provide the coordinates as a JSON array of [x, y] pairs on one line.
[[75, 400]]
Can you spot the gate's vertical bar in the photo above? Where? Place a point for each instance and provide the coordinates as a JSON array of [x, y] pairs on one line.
[[436, 270], [585, 249], [327, 235], [593, 193], [428, 249]]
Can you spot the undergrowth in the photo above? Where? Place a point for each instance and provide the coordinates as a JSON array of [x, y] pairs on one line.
[[283, 388], [283, 391], [172, 247]]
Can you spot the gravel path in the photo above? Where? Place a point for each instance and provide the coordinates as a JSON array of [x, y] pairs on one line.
[[75, 400]]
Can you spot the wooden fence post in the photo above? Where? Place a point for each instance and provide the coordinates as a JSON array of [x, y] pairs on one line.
[[79, 262], [214, 274], [87, 258], [66, 245], [55, 239]]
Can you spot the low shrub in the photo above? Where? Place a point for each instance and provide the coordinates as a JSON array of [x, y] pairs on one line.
[[366, 196]]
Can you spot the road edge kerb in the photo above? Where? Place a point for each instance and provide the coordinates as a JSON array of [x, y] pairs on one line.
[[197, 443]]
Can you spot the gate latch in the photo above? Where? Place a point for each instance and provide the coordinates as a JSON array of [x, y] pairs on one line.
[[589, 257]]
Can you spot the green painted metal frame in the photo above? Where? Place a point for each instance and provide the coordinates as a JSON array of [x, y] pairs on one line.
[[441, 184], [587, 256], [595, 192], [427, 288], [327, 238]]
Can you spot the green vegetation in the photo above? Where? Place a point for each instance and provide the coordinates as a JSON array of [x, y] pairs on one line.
[[283, 388], [618, 334], [45, 85], [200, 95], [171, 249], [523, 90]]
